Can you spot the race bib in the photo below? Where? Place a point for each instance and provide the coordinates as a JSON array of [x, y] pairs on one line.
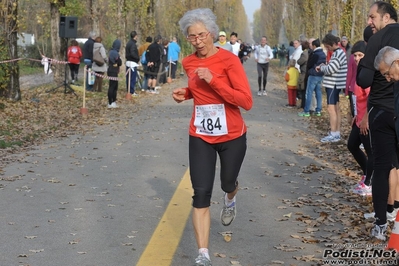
[[210, 120], [354, 104]]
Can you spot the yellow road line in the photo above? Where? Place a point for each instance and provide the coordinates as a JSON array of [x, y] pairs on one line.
[[166, 237]]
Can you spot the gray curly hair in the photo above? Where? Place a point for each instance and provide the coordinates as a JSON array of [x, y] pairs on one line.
[[204, 16], [387, 55]]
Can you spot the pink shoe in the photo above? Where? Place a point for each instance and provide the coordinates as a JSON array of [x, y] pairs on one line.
[[361, 182], [362, 190]]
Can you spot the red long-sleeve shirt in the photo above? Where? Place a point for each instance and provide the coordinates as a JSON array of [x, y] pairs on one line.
[[229, 88]]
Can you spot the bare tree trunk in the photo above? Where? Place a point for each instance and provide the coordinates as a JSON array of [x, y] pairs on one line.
[[94, 14], [14, 91], [56, 42], [122, 27], [353, 21]]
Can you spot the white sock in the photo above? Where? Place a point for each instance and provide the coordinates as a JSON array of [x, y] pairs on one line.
[[228, 201], [205, 252], [335, 133]]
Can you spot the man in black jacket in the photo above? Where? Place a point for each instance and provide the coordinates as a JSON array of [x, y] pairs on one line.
[[153, 56], [383, 21], [88, 56], [132, 60]]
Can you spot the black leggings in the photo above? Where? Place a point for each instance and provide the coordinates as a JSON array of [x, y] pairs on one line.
[[112, 91], [383, 144], [302, 94], [202, 159], [365, 162], [74, 70], [262, 69]]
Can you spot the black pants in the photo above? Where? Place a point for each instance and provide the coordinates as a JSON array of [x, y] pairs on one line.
[[173, 69], [383, 145], [351, 104], [112, 91], [262, 69], [202, 159], [74, 68], [302, 95], [365, 162]]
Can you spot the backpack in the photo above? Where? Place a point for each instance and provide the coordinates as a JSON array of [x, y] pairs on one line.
[[143, 60], [97, 57], [282, 52]]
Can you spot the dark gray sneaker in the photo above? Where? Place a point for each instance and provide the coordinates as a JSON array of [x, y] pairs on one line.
[[202, 260], [228, 214]]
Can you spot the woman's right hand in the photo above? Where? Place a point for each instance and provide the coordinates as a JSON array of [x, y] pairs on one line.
[[364, 126], [178, 95]]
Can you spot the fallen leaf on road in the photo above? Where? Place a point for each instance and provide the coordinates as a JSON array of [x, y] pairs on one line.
[[36, 250]]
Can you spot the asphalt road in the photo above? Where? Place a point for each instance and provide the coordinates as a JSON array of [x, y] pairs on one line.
[[95, 198]]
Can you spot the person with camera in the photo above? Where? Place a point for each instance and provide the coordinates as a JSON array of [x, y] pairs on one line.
[[245, 51]]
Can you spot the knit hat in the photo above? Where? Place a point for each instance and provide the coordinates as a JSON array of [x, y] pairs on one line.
[[367, 33], [359, 46], [344, 38]]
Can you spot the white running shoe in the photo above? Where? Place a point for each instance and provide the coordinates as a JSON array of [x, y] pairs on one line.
[[330, 138], [114, 105], [202, 260], [264, 93], [259, 93], [379, 231], [228, 214], [391, 216]]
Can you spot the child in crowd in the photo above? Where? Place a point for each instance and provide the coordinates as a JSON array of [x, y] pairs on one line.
[[292, 76], [115, 62], [360, 132], [74, 55]]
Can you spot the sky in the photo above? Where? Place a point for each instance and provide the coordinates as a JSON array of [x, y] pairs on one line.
[[250, 7]]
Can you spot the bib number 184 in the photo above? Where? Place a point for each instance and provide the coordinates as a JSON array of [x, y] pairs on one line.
[[210, 125], [210, 120]]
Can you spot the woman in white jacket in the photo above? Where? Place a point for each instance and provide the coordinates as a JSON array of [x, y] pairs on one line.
[[100, 70]]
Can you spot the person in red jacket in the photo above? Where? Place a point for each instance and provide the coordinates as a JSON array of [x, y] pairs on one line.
[[74, 55], [219, 87]]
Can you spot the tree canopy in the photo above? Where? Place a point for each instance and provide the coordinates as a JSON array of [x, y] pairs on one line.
[[113, 19]]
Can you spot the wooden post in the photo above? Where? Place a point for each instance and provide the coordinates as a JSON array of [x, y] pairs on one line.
[[84, 110]]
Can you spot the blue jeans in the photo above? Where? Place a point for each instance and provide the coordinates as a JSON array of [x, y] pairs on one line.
[[314, 84], [88, 64], [133, 78]]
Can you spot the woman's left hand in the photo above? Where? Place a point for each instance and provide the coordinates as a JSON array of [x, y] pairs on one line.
[[204, 73]]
